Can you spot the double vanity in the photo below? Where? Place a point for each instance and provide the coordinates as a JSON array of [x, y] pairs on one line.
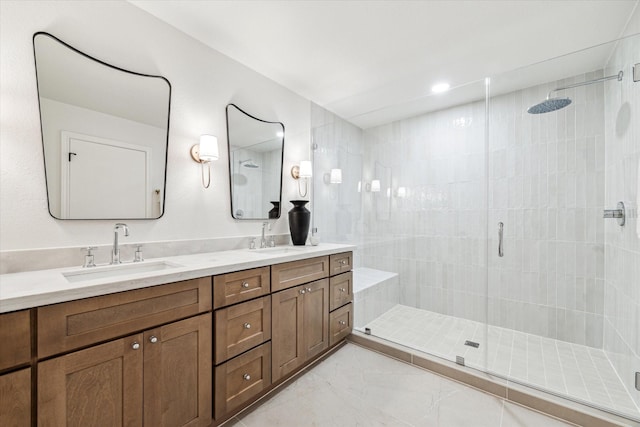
[[186, 340]]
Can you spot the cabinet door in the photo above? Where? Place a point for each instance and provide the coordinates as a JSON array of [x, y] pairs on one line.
[[15, 336], [316, 318], [177, 373], [99, 386], [15, 398], [287, 350]]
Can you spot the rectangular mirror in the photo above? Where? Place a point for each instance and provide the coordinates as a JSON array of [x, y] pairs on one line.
[[104, 133], [256, 149]]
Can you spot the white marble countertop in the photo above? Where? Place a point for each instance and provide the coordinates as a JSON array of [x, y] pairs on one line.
[[36, 288]]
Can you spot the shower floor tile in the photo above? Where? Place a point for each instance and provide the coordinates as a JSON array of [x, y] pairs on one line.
[[573, 370]]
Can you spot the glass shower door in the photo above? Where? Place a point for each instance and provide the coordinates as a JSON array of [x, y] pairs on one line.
[[564, 300]]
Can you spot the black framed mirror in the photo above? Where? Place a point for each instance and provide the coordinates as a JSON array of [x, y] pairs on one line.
[[105, 132], [256, 150]]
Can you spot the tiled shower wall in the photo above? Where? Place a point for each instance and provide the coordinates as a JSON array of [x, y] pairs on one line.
[[622, 244], [546, 184], [432, 233]]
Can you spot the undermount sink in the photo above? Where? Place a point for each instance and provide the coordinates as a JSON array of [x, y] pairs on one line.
[[275, 250], [108, 271]]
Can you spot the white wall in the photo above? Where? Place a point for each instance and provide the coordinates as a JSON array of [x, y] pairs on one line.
[[203, 81]]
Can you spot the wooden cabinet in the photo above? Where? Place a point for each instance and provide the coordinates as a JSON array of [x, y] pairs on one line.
[[299, 322], [242, 327], [241, 286], [15, 336], [75, 324], [340, 324], [15, 398], [294, 273], [242, 378], [340, 263], [161, 377], [340, 290]]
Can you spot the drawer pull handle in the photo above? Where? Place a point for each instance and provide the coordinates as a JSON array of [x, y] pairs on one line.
[[135, 345], [153, 339], [245, 284], [342, 322], [247, 377], [247, 325], [302, 291]]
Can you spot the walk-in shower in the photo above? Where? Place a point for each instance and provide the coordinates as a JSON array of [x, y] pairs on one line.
[[558, 311], [553, 104]]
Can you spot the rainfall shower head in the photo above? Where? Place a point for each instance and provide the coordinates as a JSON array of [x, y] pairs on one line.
[[549, 105], [553, 104], [249, 163]]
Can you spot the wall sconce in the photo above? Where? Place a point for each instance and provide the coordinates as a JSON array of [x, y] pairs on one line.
[[205, 153], [375, 186], [302, 171], [401, 193]]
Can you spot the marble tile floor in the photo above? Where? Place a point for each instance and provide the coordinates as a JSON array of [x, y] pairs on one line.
[[573, 370], [358, 387]]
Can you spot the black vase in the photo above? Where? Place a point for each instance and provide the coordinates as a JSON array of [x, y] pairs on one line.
[[275, 211], [299, 220]]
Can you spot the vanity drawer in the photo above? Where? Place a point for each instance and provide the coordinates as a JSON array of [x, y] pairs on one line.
[[241, 327], [294, 273], [340, 324], [242, 378], [341, 263], [340, 290], [240, 286], [15, 336], [75, 324]]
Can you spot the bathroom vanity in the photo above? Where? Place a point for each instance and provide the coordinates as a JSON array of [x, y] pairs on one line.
[[191, 344]]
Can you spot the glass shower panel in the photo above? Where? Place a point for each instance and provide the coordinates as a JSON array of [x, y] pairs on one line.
[[422, 278], [564, 299]]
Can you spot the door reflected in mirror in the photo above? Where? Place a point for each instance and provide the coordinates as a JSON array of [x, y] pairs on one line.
[[256, 148], [104, 132]]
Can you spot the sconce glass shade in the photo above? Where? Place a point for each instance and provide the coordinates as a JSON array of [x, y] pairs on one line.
[[208, 148], [336, 176], [375, 186], [305, 169], [402, 192]]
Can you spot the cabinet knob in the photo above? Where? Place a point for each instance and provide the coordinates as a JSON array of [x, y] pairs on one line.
[[135, 345], [245, 284], [308, 289], [247, 377], [343, 262], [342, 322], [343, 290], [302, 291], [247, 325], [153, 339]]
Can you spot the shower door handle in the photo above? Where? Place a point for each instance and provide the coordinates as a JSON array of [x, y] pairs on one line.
[[500, 233]]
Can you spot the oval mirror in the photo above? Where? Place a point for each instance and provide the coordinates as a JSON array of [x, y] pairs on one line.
[[256, 148], [104, 134]]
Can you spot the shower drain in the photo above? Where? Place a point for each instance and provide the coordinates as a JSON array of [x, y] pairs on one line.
[[472, 344]]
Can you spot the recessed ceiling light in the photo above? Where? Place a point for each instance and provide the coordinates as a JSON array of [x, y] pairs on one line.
[[440, 87]]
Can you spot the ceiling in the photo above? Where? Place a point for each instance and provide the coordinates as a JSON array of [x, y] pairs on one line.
[[373, 62]]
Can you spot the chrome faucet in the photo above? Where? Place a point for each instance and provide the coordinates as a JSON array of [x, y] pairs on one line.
[[115, 252], [263, 241]]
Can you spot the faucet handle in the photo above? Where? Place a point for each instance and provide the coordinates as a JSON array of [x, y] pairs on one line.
[[88, 258], [137, 256], [252, 243]]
